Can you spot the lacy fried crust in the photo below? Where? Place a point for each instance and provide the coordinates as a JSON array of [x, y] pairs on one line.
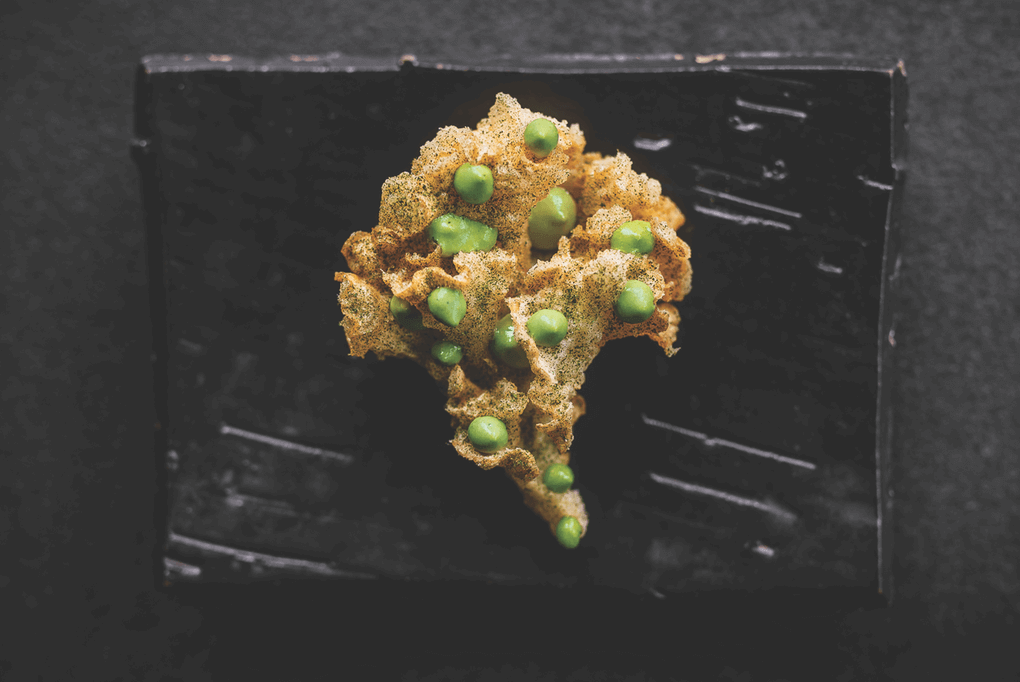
[[539, 404]]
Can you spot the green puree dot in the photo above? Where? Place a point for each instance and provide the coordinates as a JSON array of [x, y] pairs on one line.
[[547, 327], [487, 434], [406, 315], [447, 352], [447, 305], [552, 218], [505, 346], [636, 302], [456, 233], [473, 183], [558, 478], [633, 237], [568, 532], [541, 137]]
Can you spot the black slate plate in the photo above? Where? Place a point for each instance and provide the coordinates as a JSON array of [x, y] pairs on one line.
[[756, 458]]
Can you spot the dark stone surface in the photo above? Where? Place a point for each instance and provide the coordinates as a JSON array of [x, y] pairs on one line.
[[79, 502], [283, 446]]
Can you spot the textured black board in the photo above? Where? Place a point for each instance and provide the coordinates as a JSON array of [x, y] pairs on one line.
[[755, 458]]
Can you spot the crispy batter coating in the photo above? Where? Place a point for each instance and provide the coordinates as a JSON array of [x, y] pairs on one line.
[[582, 279]]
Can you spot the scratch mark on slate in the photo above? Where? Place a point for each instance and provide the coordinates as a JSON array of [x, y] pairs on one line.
[[763, 550], [874, 183], [740, 218], [268, 560], [742, 126], [290, 446], [720, 442], [769, 109], [747, 202], [179, 569], [721, 495], [826, 267], [652, 145], [276, 506], [190, 347]]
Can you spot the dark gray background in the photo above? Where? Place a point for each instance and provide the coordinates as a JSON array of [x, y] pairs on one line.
[[77, 477]]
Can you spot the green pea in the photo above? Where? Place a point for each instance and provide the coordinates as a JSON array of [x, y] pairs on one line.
[[633, 237], [487, 434], [558, 478], [456, 233], [636, 302], [406, 315], [552, 218], [541, 137], [568, 532], [473, 183], [547, 327], [505, 346], [447, 352], [447, 305]]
